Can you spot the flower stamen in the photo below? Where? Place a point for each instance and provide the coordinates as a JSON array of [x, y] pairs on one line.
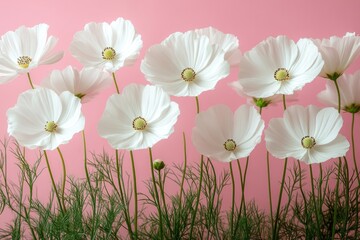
[[230, 145], [24, 61], [108, 53], [50, 126], [281, 74], [308, 142], [188, 74], [139, 123]]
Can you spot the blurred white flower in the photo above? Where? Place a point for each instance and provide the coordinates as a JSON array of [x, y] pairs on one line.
[[261, 102], [24, 49], [138, 118], [42, 119], [107, 46], [185, 64], [308, 134], [228, 43], [225, 136], [338, 53], [349, 86], [84, 84], [279, 66]]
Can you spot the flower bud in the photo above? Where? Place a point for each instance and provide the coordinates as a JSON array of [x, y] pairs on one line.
[[158, 164]]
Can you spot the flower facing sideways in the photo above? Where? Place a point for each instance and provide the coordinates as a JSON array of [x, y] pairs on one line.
[[42, 119], [228, 43], [279, 66], [185, 64], [138, 118], [25, 49], [107, 46], [349, 86], [308, 134], [338, 53], [84, 84], [225, 136]]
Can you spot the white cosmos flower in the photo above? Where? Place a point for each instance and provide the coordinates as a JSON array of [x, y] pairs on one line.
[[42, 119], [225, 136], [107, 46], [261, 102], [338, 53], [349, 86], [84, 84], [185, 64], [138, 118], [279, 66], [308, 134], [228, 43], [24, 49]]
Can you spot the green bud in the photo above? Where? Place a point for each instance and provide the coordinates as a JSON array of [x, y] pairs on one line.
[[158, 164]]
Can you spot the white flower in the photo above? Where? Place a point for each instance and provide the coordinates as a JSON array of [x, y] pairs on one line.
[[338, 53], [42, 119], [279, 66], [25, 49], [349, 86], [84, 84], [308, 134], [107, 46], [138, 118], [225, 136], [228, 43], [261, 102], [185, 64]]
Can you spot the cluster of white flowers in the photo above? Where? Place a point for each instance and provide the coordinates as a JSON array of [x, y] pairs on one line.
[[183, 64]]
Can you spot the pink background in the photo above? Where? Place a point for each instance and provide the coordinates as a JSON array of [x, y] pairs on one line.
[[250, 20]]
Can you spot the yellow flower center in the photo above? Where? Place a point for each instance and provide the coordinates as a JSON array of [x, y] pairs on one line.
[[108, 53], [308, 142], [230, 145], [281, 74], [188, 74], [139, 123], [50, 126], [24, 61]]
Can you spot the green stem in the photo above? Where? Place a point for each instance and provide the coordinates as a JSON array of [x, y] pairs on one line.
[[336, 200], [303, 196], [135, 196], [243, 202], [269, 189], [353, 147], [338, 95], [162, 192], [275, 232], [314, 202], [232, 202], [284, 101], [29, 78], [116, 85], [184, 171], [124, 202], [64, 178], [156, 195], [52, 181], [197, 104]]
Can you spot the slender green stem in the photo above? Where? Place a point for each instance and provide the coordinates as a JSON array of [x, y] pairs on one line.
[[183, 172], [197, 197], [314, 202], [243, 202], [353, 147], [347, 197], [336, 200], [156, 195], [162, 192], [64, 178], [52, 181], [357, 213], [124, 202], [275, 232], [197, 104], [116, 85], [135, 196], [338, 95], [303, 195], [216, 230], [284, 102], [269, 189], [29, 78], [232, 201]]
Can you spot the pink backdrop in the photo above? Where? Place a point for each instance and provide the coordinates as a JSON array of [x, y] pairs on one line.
[[250, 20]]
